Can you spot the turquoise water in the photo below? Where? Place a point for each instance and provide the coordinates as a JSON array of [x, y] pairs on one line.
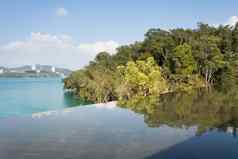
[[23, 96]]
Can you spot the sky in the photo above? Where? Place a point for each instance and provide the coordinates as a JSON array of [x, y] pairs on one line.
[[69, 33]]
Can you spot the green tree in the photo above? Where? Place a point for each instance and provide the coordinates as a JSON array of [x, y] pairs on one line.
[[175, 60], [235, 38], [184, 60], [141, 78], [209, 57], [159, 43]]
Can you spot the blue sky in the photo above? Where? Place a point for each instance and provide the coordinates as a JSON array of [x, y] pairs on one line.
[[91, 21], [122, 20]]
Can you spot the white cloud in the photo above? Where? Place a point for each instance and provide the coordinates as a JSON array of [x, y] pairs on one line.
[[61, 12], [57, 50], [108, 46], [232, 21]]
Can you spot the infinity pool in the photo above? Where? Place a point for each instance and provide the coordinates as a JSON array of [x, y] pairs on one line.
[[107, 131]]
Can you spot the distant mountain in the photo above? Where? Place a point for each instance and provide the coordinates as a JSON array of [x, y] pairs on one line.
[[34, 71]]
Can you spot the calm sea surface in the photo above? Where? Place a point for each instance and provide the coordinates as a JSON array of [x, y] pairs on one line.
[[23, 96], [195, 125]]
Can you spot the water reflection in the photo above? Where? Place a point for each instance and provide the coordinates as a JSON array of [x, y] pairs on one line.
[[163, 128], [174, 120], [71, 101], [205, 109]]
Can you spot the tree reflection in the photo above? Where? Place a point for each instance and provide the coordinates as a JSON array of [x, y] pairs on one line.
[[206, 109], [71, 101]]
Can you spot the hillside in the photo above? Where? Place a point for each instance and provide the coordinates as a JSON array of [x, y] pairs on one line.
[[34, 71]]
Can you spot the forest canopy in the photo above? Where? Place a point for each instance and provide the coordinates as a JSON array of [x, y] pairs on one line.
[[165, 61]]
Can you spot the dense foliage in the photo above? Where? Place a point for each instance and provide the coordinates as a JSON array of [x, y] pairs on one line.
[[141, 78], [166, 61]]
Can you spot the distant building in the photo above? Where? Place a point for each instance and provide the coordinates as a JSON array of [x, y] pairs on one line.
[[33, 67], [37, 71], [13, 71], [1, 71], [53, 69]]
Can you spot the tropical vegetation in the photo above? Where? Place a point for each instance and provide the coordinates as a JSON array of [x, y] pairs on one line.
[[165, 61]]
